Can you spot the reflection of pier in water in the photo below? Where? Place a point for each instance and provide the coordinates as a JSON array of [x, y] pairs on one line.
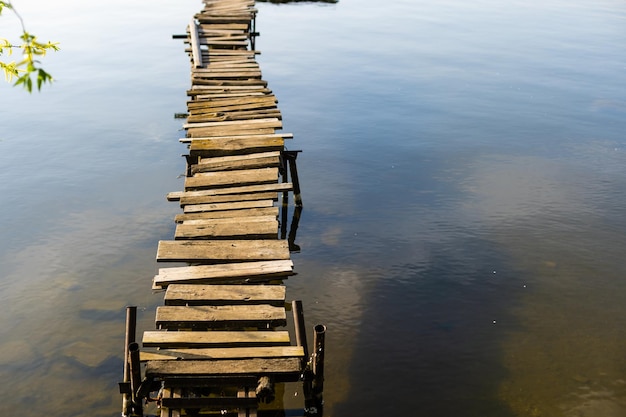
[[219, 347]]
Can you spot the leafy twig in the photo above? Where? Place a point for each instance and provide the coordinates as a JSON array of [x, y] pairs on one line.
[[31, 48]]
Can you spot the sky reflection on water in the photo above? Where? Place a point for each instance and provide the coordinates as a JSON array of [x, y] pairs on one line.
[[462, 173]]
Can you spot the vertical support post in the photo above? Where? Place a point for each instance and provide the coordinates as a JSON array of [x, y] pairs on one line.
[[284, 211], [314, 401], [293, 229], [131, 329], [253, 33], [293, 170], [190, 160], [318, 360], [135, 377], [298, 320]]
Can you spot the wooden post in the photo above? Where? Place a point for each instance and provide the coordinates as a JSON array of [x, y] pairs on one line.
[[293, 170], [252, 32], [265, 390], [190, 160], [285, 206], [293, 229], [318, 359], [131, 328], [135, 377]]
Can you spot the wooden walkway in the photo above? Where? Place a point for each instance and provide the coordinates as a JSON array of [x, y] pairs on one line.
[[221, 340]]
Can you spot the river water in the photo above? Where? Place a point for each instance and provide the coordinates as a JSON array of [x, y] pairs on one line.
[[463, 181]]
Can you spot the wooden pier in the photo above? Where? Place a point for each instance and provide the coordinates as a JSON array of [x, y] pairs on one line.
[[221, 340]]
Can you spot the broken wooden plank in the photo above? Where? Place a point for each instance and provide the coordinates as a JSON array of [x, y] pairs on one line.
[[222, 250], [185, 294], [199, 339]]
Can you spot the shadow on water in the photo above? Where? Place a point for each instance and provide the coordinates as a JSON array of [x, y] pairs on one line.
[[429, 340]]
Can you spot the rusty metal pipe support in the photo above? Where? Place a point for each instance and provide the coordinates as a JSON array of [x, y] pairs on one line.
[[135, 377]]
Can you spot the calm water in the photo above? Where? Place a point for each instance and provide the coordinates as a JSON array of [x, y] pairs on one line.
[[463, 176]]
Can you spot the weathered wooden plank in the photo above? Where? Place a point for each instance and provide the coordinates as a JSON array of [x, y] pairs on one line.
[[237, 158], [221, 273], [230, 178], [233, 52], [211, 71], [208, 31], [261, 188], [216, 39], [228, 94], [223, 214], [175, 195], [232, 230], [238, 162], [260, 193], [251, 109], [198, 142], [223, 19], [231, 74], [246, 124], [229, 131], [222, 250], [208, 339], [250, 82], [223, 353], [251, 219], [196, 208], [226, 103], [208, 402], [186, 294], [230, 146], [260, 366], [195, 45], [224, 115], [202, 81], [228, 198], [230, 316], [211, 89]]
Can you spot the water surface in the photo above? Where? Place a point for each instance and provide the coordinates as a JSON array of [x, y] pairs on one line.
[[462, 173]]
